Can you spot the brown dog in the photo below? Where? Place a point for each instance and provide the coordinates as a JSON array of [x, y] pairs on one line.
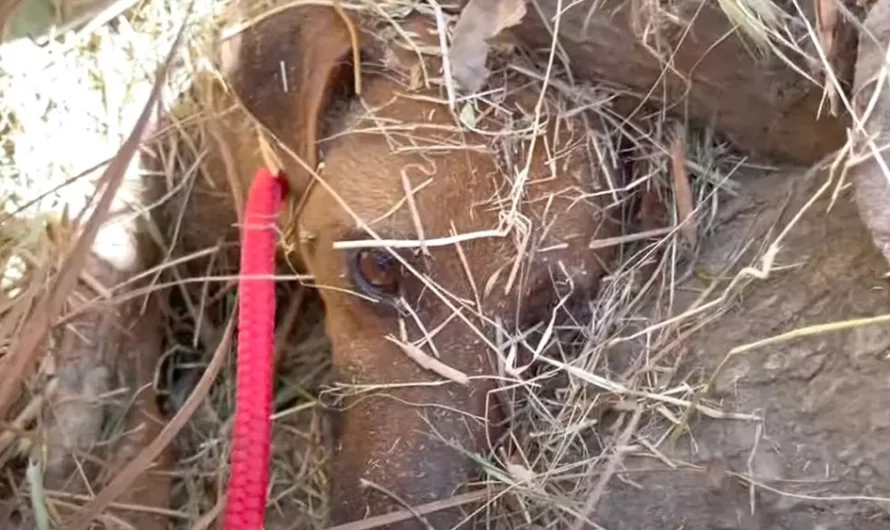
[[294, 73]]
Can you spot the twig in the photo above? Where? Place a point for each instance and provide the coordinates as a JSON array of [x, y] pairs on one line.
[[356, 50], [415, 215], [630, 238], [429, 363], [614, 461], [415, 243]]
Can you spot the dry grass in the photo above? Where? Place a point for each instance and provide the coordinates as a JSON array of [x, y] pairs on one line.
[[595, 394]]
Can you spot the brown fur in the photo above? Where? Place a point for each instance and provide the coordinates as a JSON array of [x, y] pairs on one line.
[[386, 438]]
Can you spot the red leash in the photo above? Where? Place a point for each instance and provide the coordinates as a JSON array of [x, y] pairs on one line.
[[249, 474]]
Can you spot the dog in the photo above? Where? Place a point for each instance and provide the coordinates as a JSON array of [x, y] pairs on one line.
[[425, 228]]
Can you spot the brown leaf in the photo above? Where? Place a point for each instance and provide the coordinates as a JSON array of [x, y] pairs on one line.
[[683, 192], [480, 21]]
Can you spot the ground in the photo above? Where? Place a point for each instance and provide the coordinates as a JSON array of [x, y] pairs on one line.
[[818, 458]]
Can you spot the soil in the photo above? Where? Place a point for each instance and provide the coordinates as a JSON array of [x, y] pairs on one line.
[[820, 447], [872, 103]]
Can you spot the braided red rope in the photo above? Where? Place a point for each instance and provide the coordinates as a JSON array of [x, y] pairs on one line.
[[248, 481]]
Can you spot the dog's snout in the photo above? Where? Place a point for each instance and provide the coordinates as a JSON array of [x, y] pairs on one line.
[[401, 447], [402, 433]]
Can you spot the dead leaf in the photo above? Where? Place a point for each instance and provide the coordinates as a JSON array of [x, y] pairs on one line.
[[468, 116], [480, 21], [683, 192]]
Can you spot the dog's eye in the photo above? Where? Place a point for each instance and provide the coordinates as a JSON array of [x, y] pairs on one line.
[[376, 272]]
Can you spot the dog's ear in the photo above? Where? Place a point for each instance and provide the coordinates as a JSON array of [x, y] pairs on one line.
[[286, 68]]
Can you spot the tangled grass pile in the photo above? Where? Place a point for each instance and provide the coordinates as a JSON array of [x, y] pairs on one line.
[[71, 100]]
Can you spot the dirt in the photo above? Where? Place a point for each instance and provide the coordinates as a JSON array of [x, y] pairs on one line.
[[872, 103], [823, 400]]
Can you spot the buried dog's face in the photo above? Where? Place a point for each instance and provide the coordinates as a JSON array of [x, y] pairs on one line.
[[396, 165]]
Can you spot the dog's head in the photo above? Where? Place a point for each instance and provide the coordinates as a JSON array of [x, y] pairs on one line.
[[423, 239]]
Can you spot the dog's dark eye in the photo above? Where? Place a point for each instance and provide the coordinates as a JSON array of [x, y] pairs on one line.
[[376, 272]]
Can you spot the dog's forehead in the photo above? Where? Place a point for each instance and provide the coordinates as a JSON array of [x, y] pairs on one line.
[[404, 166], [457, 206], [402, 195]]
